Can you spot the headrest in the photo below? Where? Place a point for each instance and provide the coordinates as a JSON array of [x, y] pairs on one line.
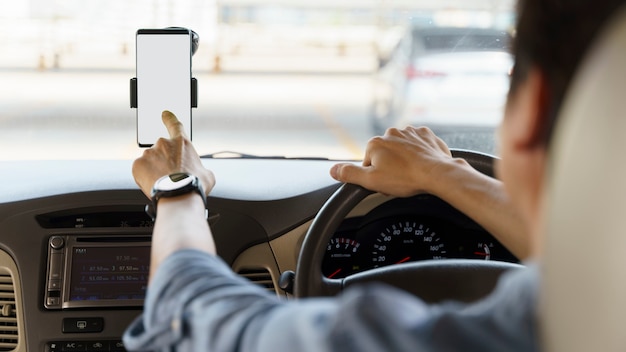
[[583, 295]]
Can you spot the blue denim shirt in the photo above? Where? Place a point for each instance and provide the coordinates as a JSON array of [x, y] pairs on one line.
[[196, 303]]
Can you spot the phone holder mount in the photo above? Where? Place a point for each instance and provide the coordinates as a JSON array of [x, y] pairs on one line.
[[195, 42]]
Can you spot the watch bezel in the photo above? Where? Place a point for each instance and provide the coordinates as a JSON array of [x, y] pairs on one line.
[[174, 185]]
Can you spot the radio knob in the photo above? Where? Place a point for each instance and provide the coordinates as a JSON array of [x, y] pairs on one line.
[[57, 242]]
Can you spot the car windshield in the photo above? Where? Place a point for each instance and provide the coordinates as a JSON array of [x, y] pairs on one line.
[[296, 79]]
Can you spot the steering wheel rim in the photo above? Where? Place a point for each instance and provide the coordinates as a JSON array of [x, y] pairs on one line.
[[468, 279]]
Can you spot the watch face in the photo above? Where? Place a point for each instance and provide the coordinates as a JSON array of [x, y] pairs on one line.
[[174, 181]]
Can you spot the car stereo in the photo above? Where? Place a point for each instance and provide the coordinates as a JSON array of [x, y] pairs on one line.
[[96, 271]]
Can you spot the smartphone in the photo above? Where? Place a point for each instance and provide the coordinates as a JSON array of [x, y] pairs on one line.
[[163, 81]]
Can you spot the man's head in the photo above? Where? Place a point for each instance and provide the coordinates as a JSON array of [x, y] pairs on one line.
[[551, 39]]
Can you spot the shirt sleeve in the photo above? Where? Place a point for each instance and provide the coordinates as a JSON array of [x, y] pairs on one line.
[[196, 303]]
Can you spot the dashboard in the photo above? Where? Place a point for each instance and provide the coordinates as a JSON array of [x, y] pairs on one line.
[[75, 240]]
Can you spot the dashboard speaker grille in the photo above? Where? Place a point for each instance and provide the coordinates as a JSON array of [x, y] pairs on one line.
[[9, 333], [260, 277]]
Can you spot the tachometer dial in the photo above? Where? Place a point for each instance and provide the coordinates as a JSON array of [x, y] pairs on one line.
[[339, 258], [406, 241]]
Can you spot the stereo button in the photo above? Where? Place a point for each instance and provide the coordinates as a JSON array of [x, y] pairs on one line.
[[54, 285], [55, 266], [53, 301], [57, 242]]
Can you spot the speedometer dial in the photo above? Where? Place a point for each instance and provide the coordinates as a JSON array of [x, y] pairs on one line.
[[406, 241]]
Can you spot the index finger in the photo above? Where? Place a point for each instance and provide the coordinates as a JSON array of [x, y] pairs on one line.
[[174, 127]]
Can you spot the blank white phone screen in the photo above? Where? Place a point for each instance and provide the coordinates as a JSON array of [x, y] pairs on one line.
[[163, 83]]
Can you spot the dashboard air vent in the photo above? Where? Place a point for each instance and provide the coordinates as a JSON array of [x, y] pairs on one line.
[[8, 318], [260, 277]]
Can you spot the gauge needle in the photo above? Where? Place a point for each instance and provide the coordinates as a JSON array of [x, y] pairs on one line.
[[335, 273], [481, 253], [403, 260]]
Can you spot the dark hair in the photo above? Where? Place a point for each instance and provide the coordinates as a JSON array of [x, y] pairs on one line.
[[553, 36]]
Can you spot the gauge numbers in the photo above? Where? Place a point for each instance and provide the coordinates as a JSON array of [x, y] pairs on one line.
[[406, 241]]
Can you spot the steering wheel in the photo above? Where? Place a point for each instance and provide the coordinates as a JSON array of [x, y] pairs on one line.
[[432, 280]]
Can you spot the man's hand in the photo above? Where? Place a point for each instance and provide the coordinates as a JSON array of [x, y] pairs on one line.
[[400, 163], [406, 162], [180, 222], [168, 156]]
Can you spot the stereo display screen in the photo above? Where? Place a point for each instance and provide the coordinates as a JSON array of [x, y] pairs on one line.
[[109, 273]]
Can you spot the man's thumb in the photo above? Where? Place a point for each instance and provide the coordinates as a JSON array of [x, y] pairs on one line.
[[347, 173]]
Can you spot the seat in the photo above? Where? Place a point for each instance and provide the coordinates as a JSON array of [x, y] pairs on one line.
[[583, 289]]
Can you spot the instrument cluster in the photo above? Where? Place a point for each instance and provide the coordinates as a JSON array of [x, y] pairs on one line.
[[406, 230]]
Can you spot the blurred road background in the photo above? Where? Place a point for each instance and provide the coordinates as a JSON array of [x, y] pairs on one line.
[[286, 77], [90, 116]]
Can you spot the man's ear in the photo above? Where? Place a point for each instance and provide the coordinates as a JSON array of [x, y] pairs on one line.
[[531, 102]]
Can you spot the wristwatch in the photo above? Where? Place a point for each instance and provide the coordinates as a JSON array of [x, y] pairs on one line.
[[174, 185]]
